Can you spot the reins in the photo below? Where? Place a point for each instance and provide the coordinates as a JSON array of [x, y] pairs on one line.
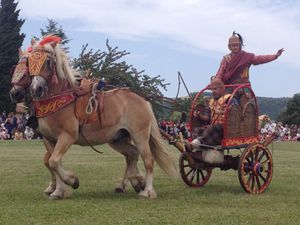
[[84, 138]]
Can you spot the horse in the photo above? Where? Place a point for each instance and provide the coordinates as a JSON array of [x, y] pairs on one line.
[[20, 79], [125, 121]]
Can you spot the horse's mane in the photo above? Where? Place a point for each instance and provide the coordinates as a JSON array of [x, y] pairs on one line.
[[63, 68]]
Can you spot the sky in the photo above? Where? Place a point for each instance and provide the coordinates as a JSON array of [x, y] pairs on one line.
[[165, 37]]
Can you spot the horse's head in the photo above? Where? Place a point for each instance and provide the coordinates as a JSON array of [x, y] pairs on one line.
[[49, 68], [20, 79], [41, 67]]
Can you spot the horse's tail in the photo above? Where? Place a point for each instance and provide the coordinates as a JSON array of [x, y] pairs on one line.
[[159, 151]]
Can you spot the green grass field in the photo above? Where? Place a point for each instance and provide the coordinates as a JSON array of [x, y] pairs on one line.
[[221, 201]]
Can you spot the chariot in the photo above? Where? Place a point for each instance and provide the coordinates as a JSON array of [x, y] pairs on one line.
[[241, 148]]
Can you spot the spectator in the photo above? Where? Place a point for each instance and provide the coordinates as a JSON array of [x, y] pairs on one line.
[[2, 117], [9, 125], [3, 133], [28, 133], [18, 135]]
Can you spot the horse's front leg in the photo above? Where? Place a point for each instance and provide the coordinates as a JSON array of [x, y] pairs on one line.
[[49, 149], [62, 176], [52, 184]]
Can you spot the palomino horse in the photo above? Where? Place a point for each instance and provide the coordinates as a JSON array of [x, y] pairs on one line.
[[126, 123]]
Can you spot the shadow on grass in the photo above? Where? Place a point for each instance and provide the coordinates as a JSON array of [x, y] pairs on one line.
[[105, 195], [209, 190], [178, 192]]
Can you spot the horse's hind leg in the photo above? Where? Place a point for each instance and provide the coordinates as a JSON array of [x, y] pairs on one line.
[[142, 143], [132, 172]]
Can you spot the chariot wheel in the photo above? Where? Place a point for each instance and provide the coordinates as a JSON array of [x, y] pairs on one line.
[[193, 176], [255, 169]]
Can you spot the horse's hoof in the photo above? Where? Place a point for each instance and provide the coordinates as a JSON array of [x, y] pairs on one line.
[[49, 190], [139, 187], [76, 183], [55, 197], [148, 194], [119, 190]]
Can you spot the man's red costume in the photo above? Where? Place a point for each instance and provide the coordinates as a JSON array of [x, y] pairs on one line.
[[235, 66]]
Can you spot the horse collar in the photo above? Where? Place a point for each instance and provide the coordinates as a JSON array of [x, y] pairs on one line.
[[45, 107]]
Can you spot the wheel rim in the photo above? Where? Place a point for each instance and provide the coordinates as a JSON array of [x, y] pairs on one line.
[[256, 169], [193, 176]]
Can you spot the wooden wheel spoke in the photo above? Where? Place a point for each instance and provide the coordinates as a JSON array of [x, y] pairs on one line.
[[262, 177], [202, 174], [247, 159], [261, 156], [256, 154], [193, 175], [248, 165], [258, 182], [198, 177], [251, 156], [188, 173], [249, 179], [266, 161], [253, 182], [247, 168], [247, 172]]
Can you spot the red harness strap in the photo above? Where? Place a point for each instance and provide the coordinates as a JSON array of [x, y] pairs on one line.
[[50, 105]]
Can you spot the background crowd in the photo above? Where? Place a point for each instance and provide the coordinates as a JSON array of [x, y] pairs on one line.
[[13, 127], [286, 132]]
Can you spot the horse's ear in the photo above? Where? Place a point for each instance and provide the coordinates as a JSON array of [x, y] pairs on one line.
[[53, 44], [88, 73], [33, 41], [20, 52]]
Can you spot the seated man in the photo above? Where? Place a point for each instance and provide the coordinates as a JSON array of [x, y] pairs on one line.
[[200, 117], [213, 134]]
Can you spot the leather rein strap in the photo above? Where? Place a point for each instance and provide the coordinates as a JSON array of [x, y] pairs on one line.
[[84, 138]]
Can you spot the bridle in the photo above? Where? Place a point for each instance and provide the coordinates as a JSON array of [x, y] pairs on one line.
[[20, 74], [37, 61]]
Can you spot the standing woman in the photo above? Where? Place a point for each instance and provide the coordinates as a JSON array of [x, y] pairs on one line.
[[234, 68]]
